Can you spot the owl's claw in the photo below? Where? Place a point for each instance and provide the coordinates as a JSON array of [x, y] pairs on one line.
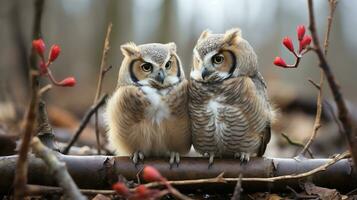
[[210, 157], [174, 159], [243, 157], [137, 156]]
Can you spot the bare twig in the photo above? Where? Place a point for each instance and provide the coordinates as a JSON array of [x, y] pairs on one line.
[[317, 123], [44, 89], [296, 143], [21, 167], [237, 189], [334, 117], [58, 169], [103, 71], [350, 131], [220, 179], [33, 190], [332, 6], [84, 122]]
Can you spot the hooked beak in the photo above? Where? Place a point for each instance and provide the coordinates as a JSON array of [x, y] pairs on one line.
[[160, 76], [205, 73]]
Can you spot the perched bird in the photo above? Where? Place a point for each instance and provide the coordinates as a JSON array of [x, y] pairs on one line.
[[228, 104], [147, 114]]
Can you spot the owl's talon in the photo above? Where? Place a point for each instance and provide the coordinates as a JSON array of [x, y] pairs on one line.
[[137, 155], [178, 159], [244, 158], [141, 155], [210, 157], [174, 159]]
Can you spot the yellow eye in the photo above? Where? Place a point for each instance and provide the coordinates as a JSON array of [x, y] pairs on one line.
[[168, 65], [146, 67], [217, 59]]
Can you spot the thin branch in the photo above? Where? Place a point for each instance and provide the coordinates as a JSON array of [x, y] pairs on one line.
[[21, 167], [334, 117], [84, 122], [45, 89], [58, 169], [296, 143], [332, 6], [33, 190], [221, 179], [317, 123], [102, 73], [350, 131]]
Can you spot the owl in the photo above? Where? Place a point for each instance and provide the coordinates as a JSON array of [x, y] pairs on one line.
[[147, 115], [228, 104]]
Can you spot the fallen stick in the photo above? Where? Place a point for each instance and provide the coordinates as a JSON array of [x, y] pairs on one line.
[[99, 172], [58, 170]]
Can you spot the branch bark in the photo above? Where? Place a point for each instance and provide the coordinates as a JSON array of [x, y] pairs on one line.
[[99, 172]]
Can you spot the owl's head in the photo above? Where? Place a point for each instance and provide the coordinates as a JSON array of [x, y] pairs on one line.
[[217, 57], [154, 65]]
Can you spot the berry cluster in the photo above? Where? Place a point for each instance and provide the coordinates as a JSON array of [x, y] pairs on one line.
[[304, 42], [44, 69], [142, 192]]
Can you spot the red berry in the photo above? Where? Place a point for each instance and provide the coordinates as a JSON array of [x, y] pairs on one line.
[[288, 44], [279, 62], [121, 189], [55, 51], [68, 82], [39, 46], [142, 191], [300, 32], [304, 42], [151, 174]]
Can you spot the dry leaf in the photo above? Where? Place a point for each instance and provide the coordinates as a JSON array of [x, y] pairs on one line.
[[323, 193]]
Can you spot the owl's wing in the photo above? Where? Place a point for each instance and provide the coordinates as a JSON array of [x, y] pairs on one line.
[[177, 99], [265, 140], [127, 105], [249, 95]]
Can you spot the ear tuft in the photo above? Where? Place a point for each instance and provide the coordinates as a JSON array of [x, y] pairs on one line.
[[172, 46], [232, 35], [204, 35], [130, 49]]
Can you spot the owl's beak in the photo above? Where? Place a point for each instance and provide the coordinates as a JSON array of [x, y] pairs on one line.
[[205, 73], [160, 76]]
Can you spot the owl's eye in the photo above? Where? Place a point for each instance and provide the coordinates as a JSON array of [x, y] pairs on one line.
[[217, 59], [168, 65], [146, 67]]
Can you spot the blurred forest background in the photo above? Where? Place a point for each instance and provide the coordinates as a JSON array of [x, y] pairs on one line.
[[79, 27]]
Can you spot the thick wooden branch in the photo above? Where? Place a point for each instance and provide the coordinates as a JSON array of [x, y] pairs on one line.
[[99, 172]]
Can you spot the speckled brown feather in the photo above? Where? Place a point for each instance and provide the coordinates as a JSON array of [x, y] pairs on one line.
[[243, 116]]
